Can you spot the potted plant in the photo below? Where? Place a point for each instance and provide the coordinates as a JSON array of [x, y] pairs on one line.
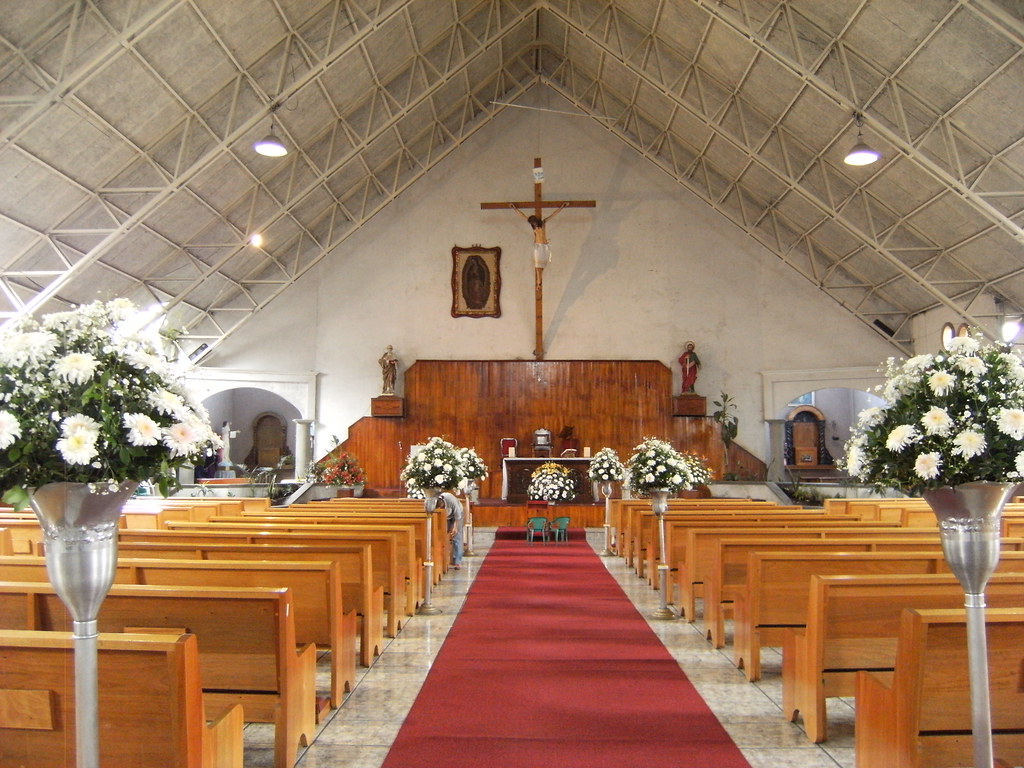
[[437, 465], [342, 469], [728, 423]]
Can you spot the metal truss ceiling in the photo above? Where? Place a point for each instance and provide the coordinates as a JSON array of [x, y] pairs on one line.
[[126, 127]]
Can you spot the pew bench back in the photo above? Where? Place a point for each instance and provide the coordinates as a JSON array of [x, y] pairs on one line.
[[923, 719], [161, 723]]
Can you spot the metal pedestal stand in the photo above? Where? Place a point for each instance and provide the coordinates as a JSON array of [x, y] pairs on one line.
[[969, 526], [427, 608], [659, 503]]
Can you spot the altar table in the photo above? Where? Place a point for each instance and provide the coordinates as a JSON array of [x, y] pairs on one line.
[[515, 478]]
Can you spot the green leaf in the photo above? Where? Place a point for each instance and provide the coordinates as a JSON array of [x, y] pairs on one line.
[[17, 497]]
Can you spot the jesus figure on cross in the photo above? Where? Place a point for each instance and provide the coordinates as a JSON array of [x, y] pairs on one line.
[[541, 247]]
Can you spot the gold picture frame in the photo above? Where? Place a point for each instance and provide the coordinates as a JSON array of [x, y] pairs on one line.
[[476, 282]]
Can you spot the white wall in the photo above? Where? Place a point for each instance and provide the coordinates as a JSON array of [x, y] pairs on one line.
[[650, 268]]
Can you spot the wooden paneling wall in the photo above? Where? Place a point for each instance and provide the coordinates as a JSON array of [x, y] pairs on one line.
[[614, 403]]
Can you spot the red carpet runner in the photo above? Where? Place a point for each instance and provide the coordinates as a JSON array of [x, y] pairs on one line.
[[550, 664]]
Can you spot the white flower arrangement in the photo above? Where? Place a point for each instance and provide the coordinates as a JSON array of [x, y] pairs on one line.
[[437, 464], [700, 472], [605, 467], [86, 396], [551, 482], [656, 464], [473, 467], [954, 417]]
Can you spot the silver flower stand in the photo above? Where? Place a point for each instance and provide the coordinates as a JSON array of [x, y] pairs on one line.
[[427, 608], [79, 524], [969, 526], [606, 491], [659, 503]]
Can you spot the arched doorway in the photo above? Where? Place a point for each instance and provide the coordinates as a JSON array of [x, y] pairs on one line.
[[262, 424], [269, 441]]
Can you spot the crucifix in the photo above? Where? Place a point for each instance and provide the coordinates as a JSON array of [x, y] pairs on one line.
[[541, 249]]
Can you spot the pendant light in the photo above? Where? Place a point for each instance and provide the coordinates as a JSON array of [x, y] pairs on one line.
[[270, 145], [861, 153]]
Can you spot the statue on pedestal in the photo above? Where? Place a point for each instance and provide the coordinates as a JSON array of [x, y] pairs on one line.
[[389, 370], [691, 365]]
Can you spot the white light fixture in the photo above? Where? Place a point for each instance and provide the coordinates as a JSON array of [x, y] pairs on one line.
[[1010, 329], [270, 145], [256, 241], [861, 153]]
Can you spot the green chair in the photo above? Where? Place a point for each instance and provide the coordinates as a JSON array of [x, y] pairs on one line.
[[537, 525], [560, 529]]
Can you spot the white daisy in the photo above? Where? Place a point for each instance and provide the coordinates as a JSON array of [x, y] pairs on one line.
[[927, 465], [901, 437], [181, 438], [165, 402], [941, 382], [142, 430], [1011, 422], [854, 459], [974, 366], [963, 345], [969, 444], [76, 368], [937, 421], [79, 423], [917, 363], [10, 429], [77, 448]]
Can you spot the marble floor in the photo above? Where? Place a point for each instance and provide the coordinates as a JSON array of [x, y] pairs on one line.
[[358, 734]]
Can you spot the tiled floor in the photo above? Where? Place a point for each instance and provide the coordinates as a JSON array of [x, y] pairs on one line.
[[358, 734]]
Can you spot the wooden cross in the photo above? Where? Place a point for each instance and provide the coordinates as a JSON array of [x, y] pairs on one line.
[[538, 204]]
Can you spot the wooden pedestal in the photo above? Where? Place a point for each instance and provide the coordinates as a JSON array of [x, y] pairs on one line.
[[388, 406], [689, 404]]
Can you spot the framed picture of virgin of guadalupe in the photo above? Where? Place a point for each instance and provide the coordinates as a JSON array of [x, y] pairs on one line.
[[476, 282]]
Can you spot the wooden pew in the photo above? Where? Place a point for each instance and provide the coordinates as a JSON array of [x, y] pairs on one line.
[[677, 526], [411, 550], [628, 511], [6, 542], [159, 723], [387, 572], [152, 511], [247, 649], [923, 719], [355, 562], [320, 615], [777, 589], [380, 512], [701, 545], [851, 623], [391, 542], [23, 533], [727, 577], [646, 549]]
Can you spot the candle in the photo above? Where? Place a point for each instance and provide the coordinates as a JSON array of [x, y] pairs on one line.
[[511, 452], [586, 452]]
